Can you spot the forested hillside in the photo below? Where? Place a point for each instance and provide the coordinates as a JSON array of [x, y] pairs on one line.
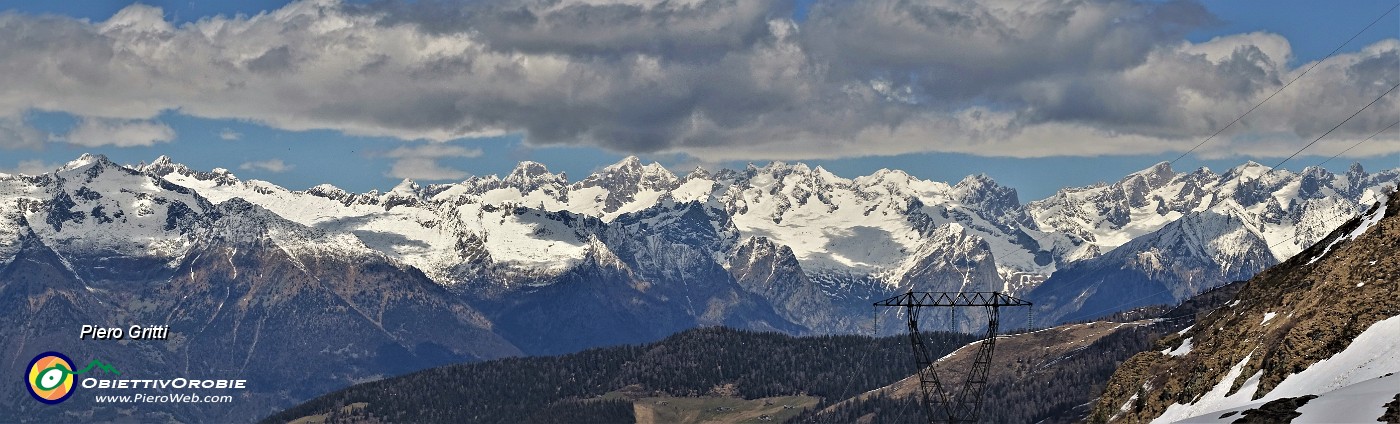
[[1051, 375], [708, 361]]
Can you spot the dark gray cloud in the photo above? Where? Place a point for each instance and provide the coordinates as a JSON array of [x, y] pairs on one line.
[[961, 50], [714, 79], [695, 30]]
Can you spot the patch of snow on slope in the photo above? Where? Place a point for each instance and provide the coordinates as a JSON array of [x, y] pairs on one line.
[[550, 245], [1366, 223], [1268, 316], [1373, 354], [1357, 403], [1185, 348], [1370, 220], [1216, 399]]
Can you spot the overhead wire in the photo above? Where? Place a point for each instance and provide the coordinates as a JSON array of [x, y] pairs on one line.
[[1237, 120], [1392, 125], [1372, 198], [1339, 125], [1290, 82], [1369, 200], [1091, 314], [1159, 232]]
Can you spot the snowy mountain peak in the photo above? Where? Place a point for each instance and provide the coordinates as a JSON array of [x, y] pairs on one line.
[[1356, 169], [329, 191], [85, 160], [1249, 170], [90, 165], [1156, 175], [407, 186], [654, 171], [699, 173], [889, 181], [529, 175], [161, 165], [164, 167], [630, 171], [785, 168], [975, 181], [981, 186], [527, 170], [630, 162], [1138, 186], [998, 204], [406, 192]]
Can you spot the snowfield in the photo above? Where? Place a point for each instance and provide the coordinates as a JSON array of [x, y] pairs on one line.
[[1352, 386]]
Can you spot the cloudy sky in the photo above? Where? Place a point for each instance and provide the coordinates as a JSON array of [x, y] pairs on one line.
[[1037, 94]]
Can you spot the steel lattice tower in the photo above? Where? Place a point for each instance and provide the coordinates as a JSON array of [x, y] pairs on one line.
[[964, 406]]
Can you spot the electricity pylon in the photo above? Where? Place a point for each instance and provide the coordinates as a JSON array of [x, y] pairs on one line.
[[964, 406]]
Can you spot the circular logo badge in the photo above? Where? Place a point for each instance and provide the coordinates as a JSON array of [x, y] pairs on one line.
[[50, 377]]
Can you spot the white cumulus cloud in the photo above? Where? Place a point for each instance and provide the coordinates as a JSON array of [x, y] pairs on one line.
[[421, 162], [31, 167], [96, 132], [230, 135], [270, 165]]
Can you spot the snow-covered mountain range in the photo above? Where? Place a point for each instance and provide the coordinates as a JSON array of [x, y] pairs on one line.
[[532, 263], [244, 292], [1310, 340], [847, 239]]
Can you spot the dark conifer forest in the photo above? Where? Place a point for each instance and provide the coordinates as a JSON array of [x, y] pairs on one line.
[[567, 388], [720, 361]]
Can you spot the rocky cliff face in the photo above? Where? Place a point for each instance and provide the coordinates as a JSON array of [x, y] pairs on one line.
[[1318, 326], [771, 271]]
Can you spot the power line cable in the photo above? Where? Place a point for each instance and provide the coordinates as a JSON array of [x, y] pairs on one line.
[[1372, 197], [1290, 82], [1371, 200], [1344, 121], [1392, 125], [1159, 232], [1367, 201]]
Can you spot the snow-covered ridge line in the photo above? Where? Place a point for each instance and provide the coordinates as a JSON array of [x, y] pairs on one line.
[[532, 223]]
